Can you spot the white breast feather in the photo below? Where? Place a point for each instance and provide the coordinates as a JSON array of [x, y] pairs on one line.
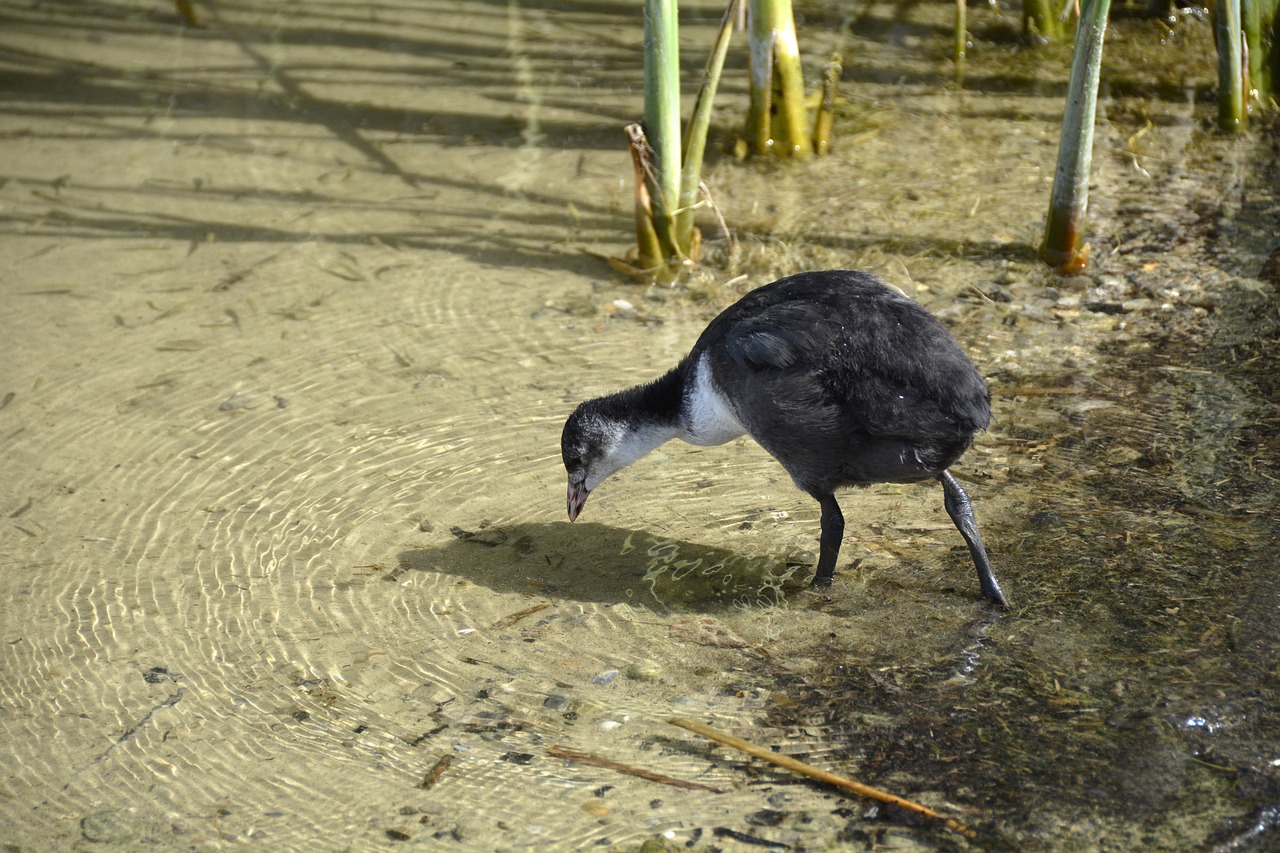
[[708, 417]]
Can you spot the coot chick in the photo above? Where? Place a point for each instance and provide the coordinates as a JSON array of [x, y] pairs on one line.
[[843, 380]]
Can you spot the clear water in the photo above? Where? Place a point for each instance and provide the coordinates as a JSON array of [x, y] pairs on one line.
[[296, 303]]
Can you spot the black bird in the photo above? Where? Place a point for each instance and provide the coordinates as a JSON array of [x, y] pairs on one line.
[[842, 379]]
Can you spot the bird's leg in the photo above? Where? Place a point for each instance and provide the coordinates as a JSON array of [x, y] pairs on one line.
[[961, 512], [829, 541]]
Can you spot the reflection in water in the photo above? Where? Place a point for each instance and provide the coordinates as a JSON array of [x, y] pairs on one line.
[[295, 309], [527, 91]]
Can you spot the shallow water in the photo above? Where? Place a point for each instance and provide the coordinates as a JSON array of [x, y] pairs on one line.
[[296, 303]]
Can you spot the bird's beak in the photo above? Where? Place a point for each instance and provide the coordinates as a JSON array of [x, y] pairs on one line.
[[577, 499]]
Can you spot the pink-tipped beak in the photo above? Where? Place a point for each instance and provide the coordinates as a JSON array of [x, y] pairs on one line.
[[577, 499]]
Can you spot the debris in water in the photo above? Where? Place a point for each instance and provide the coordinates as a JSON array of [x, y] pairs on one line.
[[610, 764], [819, 774], [434, 774]]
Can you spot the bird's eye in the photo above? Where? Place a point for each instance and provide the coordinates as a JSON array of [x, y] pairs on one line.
[[573, 462]]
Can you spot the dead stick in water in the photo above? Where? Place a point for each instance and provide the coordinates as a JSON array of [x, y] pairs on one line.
[[434, 774], [816, 773], [610, 764], [511, 619]]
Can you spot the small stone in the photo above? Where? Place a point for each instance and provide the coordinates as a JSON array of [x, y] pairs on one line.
[[238, 402], [596, 808], [1075, 283], [556, 702], [1131, 305], [606, 677], [644, 670], [110, 826]]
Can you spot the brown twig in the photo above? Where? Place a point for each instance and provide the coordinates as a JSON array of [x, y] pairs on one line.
[[610, 764], [816, 773], [512, 618], [434, 774]]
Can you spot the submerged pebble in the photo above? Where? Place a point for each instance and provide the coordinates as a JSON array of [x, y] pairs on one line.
[[238, 402], [110, 826], [606, 677], [644, 670]]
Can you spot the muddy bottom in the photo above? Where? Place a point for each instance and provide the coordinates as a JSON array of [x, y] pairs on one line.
[[296, 303]]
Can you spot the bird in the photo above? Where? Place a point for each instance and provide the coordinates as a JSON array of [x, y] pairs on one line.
[[844, 380]]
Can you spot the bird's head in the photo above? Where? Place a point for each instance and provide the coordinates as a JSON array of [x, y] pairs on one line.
[[590, 447]]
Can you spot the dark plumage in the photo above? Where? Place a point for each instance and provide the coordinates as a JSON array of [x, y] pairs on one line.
[[843, 380]]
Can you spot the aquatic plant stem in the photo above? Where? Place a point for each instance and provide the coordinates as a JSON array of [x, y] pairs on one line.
[[1041, 22], [1232, 111], [1258, 20], [824, 121], [651, 254], [662, 112], [695, 136], [776, 118], [817, 773], [1062, 248]]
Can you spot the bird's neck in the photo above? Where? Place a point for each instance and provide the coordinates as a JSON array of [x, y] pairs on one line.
[[683, 403], [641, 418]]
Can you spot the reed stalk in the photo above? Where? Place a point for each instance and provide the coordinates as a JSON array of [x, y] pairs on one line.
[[1251, 26], [1063, 247], [1258, 19], [667, 165], [662, 111], [1233, 112], [695, 136], [824, 121], [776, 119], [650, 252], [1042, 22]]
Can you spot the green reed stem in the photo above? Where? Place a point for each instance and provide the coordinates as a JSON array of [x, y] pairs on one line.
[[1259, 23], [776, 118], [1232, 112], [662, 111], [1062, 247], [695, 141], [1042, 21]]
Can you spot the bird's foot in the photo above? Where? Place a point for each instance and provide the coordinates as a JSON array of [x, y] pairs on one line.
[[820, 586], [997, 597]]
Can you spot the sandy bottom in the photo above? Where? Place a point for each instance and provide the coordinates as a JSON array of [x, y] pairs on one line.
[[296, 303]]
